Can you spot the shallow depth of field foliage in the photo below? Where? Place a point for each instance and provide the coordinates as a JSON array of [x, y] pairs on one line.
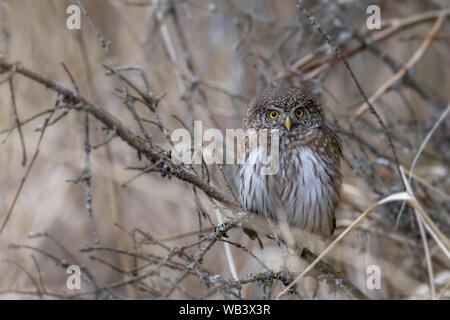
[[85, 121]]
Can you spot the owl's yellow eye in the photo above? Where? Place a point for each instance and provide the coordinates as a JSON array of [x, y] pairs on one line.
[[273, 114], [299, 113]]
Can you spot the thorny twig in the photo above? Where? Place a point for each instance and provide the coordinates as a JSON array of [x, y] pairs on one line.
[[181, 259], [338, 52], [27, 172]]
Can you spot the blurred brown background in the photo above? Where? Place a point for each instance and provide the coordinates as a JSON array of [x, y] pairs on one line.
[[209, 58]]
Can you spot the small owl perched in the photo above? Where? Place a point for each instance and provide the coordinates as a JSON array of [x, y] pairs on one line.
[[307, 185]]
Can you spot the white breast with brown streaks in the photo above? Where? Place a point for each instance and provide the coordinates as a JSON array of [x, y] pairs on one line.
[[301, 188]]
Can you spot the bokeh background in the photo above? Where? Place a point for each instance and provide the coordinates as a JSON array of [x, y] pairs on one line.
[[209, 58]]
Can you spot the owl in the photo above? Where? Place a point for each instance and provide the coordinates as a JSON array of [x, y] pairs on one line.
[[307, 185]]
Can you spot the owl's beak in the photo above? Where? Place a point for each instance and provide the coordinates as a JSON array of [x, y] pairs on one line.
[[287, 123]]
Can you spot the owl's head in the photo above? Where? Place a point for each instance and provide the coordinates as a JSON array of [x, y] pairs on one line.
[[287, 109]]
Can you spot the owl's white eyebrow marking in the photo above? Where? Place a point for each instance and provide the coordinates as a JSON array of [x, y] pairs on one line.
[[272, 107]]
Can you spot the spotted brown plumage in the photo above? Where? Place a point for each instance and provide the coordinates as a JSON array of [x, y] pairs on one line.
[[307, 185]]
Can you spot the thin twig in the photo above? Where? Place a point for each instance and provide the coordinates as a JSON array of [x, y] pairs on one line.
[[338, 52], [17, 120], [27, 172], [354, 225], [408, 65], [125, 134]]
